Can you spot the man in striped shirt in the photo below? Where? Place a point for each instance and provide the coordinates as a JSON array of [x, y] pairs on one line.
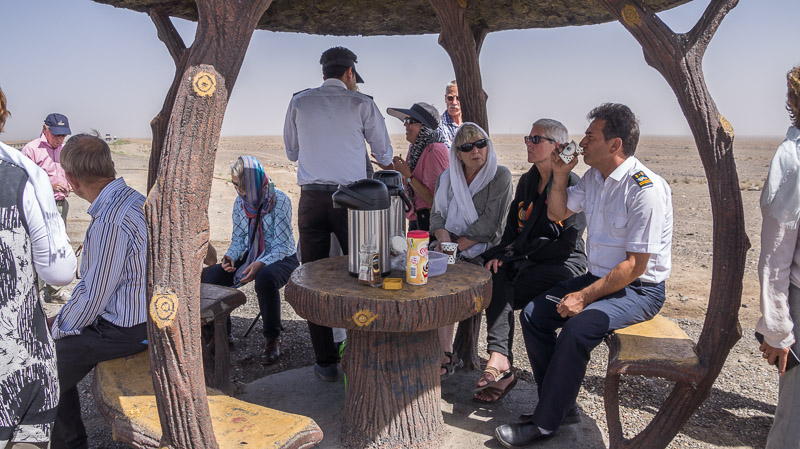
[[106, 316]]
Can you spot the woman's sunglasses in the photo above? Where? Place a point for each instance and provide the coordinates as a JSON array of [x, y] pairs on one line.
[[410, 121], [467, 147], [536, 139]]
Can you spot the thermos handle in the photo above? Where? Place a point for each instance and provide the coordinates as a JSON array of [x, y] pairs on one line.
[[406, 201], [364, 199]]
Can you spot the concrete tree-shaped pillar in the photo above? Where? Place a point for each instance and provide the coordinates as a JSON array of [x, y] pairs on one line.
[[678, 57], [177, 205], [463, 44]]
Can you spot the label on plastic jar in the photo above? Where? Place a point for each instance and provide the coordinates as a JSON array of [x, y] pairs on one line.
[[417, 258]]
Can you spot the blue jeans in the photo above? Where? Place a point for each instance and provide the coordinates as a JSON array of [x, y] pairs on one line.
[[559, 361]]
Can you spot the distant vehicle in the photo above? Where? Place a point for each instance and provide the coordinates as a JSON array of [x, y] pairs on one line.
[[110, 138]]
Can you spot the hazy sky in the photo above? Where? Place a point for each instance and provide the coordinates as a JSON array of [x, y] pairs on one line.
[[106, 70]]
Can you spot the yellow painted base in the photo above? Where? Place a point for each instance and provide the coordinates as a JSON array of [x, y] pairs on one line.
[[126, 385], [659, 339]]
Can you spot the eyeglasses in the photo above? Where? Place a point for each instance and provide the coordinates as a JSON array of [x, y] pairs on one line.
[[536, 139], [237, 186], [410, 121], [451, 97], [467, 147]]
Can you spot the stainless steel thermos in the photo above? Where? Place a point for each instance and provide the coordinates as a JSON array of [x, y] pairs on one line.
[[367, 201]]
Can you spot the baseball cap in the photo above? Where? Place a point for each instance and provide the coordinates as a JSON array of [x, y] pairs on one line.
[[58, 124], [421, 112], [340, 56]]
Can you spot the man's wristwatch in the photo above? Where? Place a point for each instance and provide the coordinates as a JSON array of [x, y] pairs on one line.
[[408, 180]]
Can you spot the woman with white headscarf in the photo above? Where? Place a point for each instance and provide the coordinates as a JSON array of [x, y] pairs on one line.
[[469, 207]]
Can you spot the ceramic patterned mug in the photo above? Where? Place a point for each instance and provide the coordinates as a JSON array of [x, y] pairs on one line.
[[450, 248]]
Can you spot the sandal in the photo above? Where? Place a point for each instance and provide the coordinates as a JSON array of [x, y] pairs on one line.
[[496, 376], [450, 367], [493, 391]]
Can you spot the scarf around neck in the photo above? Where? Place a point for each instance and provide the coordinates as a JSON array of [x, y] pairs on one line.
[[426, 137], [258, 200]]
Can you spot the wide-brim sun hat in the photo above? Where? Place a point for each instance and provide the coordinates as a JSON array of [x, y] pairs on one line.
[[421, 112]]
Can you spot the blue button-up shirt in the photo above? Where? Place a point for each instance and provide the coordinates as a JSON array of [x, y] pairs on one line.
[[278, 237], [112, 284]]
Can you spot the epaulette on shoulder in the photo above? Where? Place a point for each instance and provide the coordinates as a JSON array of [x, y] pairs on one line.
[[642, 179], [300, 92], [362, 93]]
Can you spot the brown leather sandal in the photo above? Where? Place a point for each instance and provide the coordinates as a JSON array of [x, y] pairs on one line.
[[495, 392], [491, 376]]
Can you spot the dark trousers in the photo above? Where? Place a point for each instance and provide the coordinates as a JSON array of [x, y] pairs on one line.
[[316, 220], [76, 356], [512, 289], [559, 361], [268, 283]]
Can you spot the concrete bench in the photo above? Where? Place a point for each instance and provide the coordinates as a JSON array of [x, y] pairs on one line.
[[123, 391], [216, 305], [654, 348]]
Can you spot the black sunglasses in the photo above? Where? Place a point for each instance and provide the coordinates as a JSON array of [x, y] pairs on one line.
[[451, 97], [536, 139], [467, 147], [410, 121]]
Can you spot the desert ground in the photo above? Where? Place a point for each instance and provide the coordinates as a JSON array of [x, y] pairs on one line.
[[738, 413]]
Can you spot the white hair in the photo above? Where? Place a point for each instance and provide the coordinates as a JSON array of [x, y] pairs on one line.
[[553, 129], [449, 85], [237, 168]]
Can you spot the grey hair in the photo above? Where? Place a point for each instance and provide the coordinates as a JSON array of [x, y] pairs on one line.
[[449, 85], [553, 129], [467, 133], [237, 168]]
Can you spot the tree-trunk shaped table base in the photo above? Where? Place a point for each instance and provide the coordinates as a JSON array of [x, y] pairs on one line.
[[393, 354]]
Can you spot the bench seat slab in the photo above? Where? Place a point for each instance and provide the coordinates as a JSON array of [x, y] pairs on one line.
[[123, 388]]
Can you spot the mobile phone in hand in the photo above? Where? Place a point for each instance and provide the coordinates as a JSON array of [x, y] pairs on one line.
[[791, 358]]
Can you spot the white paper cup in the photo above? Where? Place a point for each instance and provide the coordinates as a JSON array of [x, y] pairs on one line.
[[450, 248]]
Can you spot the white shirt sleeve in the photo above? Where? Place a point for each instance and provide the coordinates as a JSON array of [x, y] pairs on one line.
[[376, 134], [645, 226], [62, 270], [576, 195], [778, 248], [290, 134]]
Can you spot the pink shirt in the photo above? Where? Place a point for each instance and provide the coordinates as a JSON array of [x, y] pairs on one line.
[[48, 158], [432, 162]]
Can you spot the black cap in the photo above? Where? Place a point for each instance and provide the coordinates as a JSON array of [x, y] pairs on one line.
[[340, 56], [421, 112]]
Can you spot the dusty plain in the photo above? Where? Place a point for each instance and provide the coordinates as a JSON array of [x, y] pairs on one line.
[[738, 413]]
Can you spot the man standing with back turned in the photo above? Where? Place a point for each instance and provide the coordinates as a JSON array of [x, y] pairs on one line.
[[324, 132], [629, 246]]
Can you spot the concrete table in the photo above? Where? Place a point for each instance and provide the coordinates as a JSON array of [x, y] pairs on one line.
[[392, 360]]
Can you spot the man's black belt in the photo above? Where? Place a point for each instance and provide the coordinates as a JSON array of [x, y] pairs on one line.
[[319, 187]]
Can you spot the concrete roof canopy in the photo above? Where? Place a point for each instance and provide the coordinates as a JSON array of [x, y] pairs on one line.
[[409, 17]]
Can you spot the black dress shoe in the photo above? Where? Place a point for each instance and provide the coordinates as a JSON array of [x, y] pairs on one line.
[[520, 434], [272, 351], [573, 416]]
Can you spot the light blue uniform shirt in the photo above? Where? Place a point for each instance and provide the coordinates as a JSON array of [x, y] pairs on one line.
[[324, 133]]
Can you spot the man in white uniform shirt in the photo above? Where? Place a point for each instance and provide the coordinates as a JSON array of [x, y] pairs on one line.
[[629, 240], [324, 132]]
